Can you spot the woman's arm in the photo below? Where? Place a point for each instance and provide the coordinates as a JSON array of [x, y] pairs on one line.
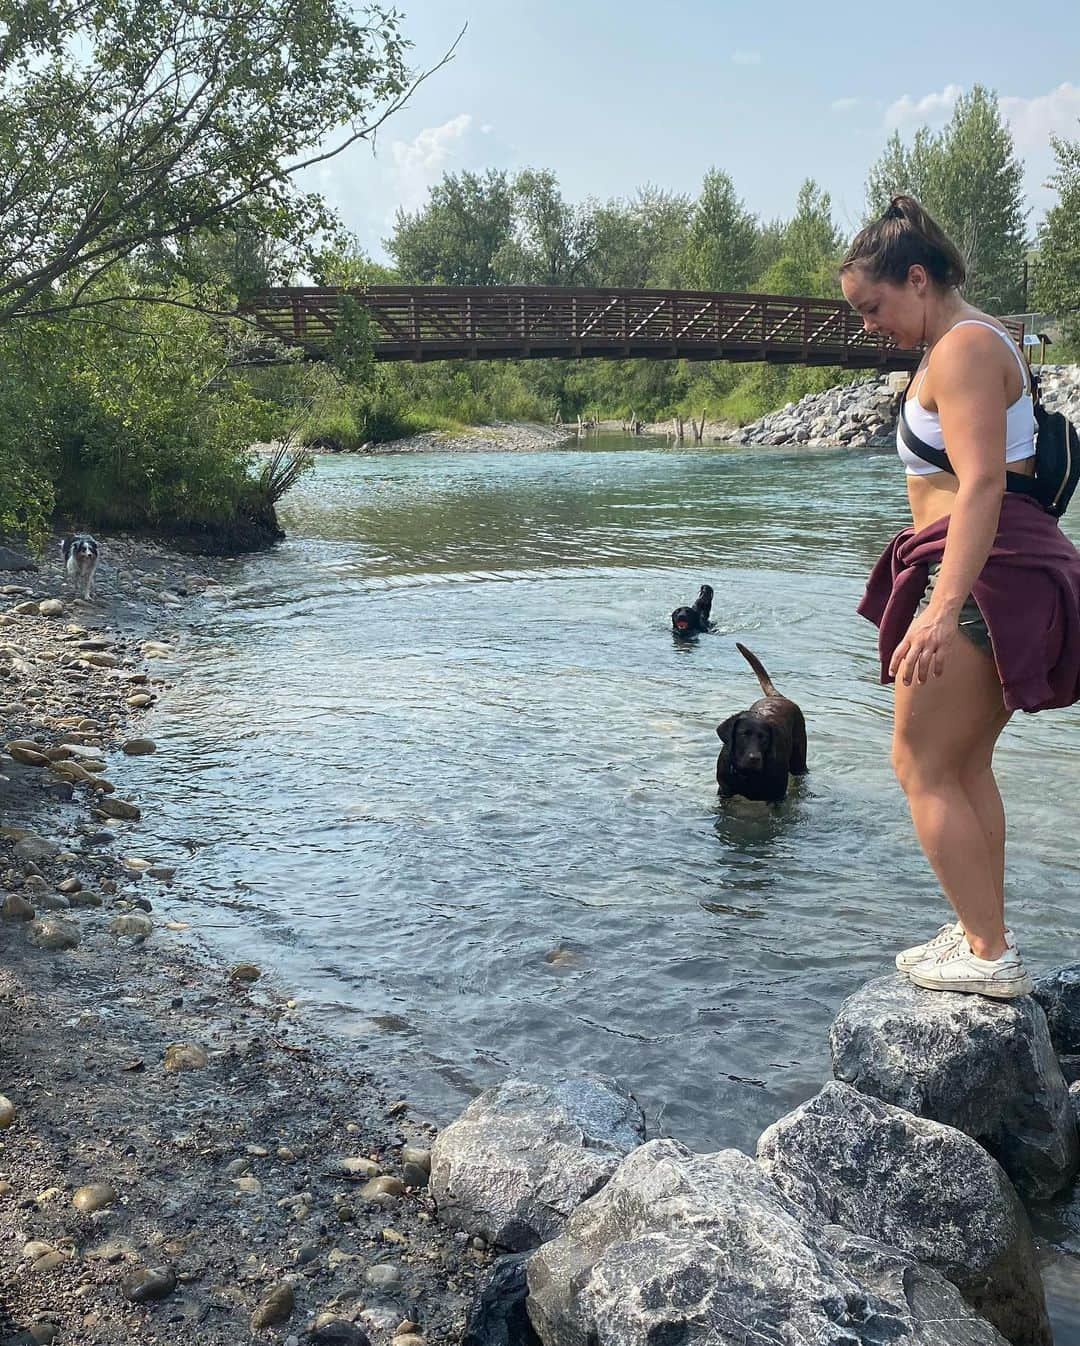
[[969, 388]]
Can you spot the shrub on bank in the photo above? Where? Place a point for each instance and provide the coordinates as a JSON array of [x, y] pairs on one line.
[[130, 418]]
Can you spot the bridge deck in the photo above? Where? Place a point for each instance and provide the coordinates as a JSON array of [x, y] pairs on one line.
[[422, 322]]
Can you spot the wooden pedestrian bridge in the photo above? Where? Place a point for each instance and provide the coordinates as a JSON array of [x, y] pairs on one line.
[[430, 322]]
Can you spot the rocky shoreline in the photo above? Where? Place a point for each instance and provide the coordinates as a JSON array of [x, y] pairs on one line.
[[863, 415], [892, 1206], [180, 1157]]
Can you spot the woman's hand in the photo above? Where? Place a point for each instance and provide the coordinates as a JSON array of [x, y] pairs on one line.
[[922, 652]]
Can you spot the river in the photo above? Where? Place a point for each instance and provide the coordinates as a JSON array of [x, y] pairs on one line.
[[437, 762]]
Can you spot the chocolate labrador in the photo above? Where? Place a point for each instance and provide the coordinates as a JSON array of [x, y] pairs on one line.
[[763, 745], [693, 620]]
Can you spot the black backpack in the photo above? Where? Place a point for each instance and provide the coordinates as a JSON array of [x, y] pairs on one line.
[[1057, 456]]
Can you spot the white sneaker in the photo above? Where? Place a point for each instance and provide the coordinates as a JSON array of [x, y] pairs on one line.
[[960, 970], [948, 937]]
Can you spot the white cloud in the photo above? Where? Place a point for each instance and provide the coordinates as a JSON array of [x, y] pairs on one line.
[[932, 107], [844, 104], [746, 57], [419, 163], [1033, 120]]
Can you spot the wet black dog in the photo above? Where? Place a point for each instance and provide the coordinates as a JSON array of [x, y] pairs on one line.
[[763, 745], [692, 621]]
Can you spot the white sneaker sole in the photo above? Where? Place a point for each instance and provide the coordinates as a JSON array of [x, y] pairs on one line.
[[999, 990]]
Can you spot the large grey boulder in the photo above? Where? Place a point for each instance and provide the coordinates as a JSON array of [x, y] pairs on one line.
[[918, 1186], [704, 1250], [522, 1156], [985, 1066], [1058, 992]]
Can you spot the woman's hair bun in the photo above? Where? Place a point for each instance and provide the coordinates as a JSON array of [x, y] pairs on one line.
[[903, 236]]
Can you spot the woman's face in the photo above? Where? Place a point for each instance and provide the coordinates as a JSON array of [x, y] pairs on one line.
[[896, 311]]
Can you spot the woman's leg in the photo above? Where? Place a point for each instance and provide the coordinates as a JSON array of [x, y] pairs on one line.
[[943, 742]]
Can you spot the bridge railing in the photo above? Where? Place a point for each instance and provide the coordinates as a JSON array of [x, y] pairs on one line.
[[522, 322]]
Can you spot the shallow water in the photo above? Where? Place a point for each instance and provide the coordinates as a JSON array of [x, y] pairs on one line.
[[438, 762]]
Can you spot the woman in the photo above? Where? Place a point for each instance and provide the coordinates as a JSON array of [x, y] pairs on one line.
[[998, 626]]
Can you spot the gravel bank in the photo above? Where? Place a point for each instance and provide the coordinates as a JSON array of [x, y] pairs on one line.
[[182, 1159]]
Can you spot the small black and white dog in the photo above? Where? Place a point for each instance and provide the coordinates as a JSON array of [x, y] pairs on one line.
[[693, 620], [80, 561]]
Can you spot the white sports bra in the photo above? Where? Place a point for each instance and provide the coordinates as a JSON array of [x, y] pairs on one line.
[[1019, 418]]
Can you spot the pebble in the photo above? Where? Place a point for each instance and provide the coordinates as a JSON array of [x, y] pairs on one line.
[[36, 1248], [275, 1306], [138, 747], [148, 1283], [415, 1175], [248, 1186], [330, 1330], [416, 1154], [136, 924], [27, 756], [185, 1056], [51, 901], [52, 933], [358, 1167], [85, 898], [7, 1112], [383, 1275], [51, 607], [118, 808], [244, 972], [50, 1261], [382, 1189], [94, 1196], [16, 908], [32, 847]]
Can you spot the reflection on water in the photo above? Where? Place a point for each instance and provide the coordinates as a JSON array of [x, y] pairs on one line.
[[439, 763]]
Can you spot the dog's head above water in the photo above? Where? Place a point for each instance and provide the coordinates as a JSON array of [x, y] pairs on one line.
[[750, 743], [692, 619]]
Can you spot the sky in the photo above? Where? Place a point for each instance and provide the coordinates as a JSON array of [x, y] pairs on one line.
[[616, 94]]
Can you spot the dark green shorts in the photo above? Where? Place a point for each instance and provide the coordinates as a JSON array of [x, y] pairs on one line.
[[971, 621]]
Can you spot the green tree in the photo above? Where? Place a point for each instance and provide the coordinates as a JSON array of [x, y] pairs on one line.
[[969, 178], [554, 242], [128, 127], [639, 243], [809, 249], [455, 238], [722, 238], [1057, 270]]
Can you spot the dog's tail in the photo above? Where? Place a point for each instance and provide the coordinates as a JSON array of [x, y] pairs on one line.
[[759, 668]]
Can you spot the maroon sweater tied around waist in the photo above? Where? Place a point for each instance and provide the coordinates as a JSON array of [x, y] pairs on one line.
[[1028, 594]]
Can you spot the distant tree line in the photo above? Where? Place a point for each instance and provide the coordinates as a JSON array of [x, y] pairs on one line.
[[149, 160]]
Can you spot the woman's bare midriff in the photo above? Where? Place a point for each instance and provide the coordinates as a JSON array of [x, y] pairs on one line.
[[931, 494]]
